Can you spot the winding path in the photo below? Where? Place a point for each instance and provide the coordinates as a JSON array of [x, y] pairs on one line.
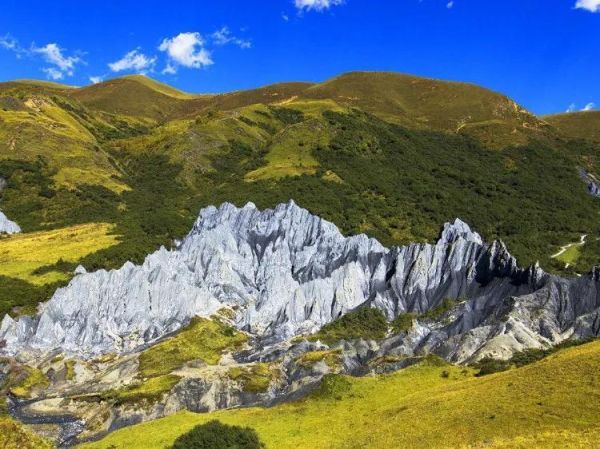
[[566, 247]]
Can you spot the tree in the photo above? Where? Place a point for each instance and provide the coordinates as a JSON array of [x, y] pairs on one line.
[[216, 435]]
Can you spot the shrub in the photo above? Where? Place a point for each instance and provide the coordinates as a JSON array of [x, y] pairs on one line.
[[366, 322], [403, 322], [445, 306], [215, 435], [489, 365]]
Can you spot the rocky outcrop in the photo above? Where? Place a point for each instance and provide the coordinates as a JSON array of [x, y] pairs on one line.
[[285, 272], [593, 185], [7, 226]]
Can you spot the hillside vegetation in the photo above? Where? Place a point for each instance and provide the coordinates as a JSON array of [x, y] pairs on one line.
[[553, 403], [577, 125], [390, 155]]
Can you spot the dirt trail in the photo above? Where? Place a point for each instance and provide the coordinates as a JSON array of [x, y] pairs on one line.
[[566, 247]]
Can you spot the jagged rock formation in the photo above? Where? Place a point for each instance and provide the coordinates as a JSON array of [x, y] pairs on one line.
[[7, 226], [285, 272], [593, 185]]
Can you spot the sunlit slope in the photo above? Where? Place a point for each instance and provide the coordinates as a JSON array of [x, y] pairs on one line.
[[23, 255], [554, 403], [422, 103], [42, 127], [577, 125], [14, 435], [136, 96], [33, 264]]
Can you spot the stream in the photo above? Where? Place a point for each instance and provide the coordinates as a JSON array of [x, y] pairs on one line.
[[70, 425]]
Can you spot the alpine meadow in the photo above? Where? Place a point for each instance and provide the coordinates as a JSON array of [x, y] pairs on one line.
[[370, 260]]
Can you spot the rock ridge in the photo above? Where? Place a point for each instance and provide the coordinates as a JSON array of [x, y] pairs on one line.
[[286, 272]]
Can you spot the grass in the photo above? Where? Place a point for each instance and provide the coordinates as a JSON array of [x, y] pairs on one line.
[[31, 379], [577, 125], [554, 403], [203, 339], [571, 254], [291, 152], [255, 378], [151, 390], [333, 359], [14, 435], [22, 254]]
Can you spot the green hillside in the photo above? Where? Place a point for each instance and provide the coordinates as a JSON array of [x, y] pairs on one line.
[[391, 155], [554, 403], [577, 125]]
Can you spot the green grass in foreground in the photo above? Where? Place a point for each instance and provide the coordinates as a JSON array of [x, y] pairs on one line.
[[554, 403]]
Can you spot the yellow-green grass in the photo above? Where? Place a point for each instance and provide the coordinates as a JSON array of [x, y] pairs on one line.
[[313, 107], [32, 378], [14, 435], [204, 339], [431, 104], [255, 378], [552, 403], [48, 130], [22, 254], [577, 125], [571, 254], [160, 87], [290, 154], [331, 358], [149, 390]]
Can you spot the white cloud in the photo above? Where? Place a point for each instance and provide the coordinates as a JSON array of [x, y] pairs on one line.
[[588, 107], [285, 17], [170, 69], [53, 73], [62, 65], [588, 5], [450, 5], [133, 60], [9, 43], [316, 5], [95, 79], [187, 50], [224, 37]]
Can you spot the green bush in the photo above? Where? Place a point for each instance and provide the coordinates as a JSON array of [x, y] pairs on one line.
[[445, 306], [215, 435], [366, 323], [403, 322], [489, 365]]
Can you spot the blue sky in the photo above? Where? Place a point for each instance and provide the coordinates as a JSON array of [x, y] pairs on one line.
[[543, 53]]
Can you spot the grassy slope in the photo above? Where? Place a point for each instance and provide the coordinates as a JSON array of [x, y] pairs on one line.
[[433, 104], [22, 254], [577, 125], [170, 354], [36, 126], [14, 435], [554, 403]]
